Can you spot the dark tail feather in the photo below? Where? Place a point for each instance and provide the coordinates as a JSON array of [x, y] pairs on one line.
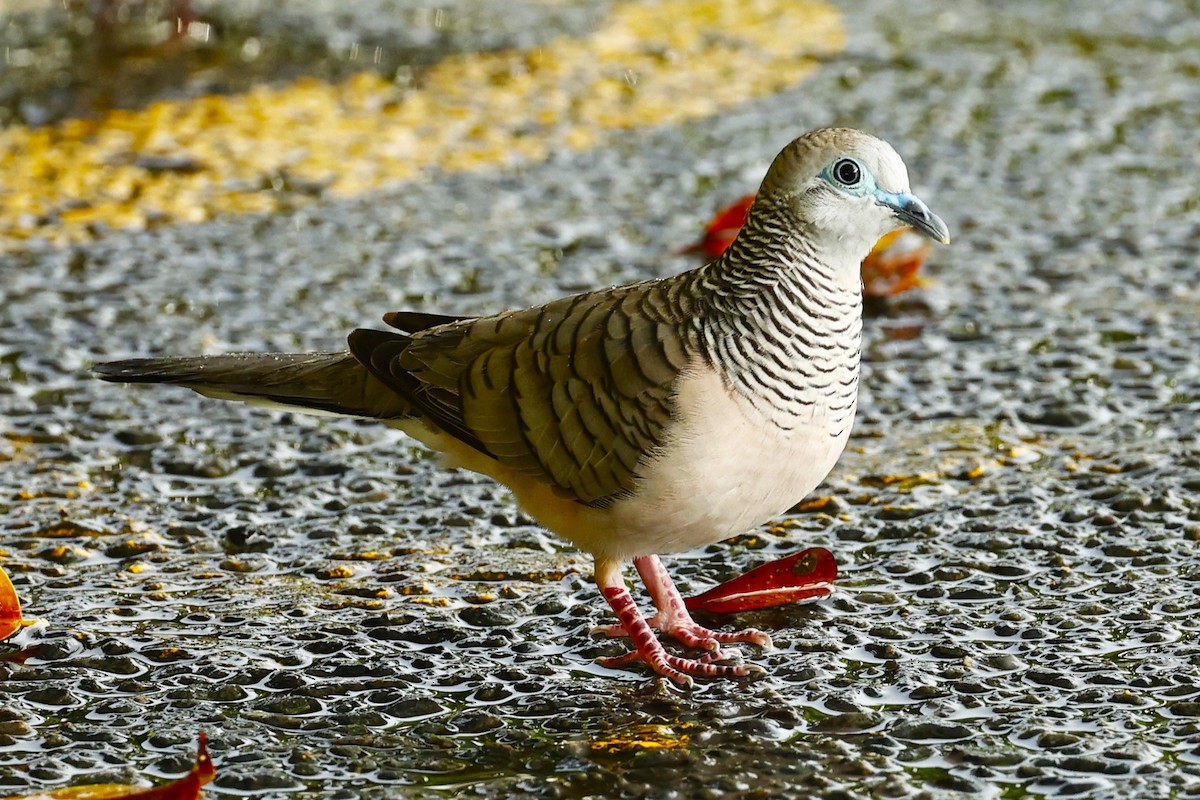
[[333, 383]]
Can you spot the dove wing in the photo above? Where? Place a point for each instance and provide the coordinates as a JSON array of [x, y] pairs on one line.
[[575, 393]]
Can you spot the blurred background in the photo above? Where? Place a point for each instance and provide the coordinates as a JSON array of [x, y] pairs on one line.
[[1016, 518]]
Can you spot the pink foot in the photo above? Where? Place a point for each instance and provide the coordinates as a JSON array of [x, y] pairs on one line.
[[672, 620]]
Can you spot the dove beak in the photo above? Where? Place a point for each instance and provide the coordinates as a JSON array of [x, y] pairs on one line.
[[912, 211]]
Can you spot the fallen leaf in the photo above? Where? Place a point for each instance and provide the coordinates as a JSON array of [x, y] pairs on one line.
[[10, 607], [186, 788], [722, 228], [892, 265], [807, 575]]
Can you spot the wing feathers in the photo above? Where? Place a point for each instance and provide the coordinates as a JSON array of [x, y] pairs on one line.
[[576, 393]]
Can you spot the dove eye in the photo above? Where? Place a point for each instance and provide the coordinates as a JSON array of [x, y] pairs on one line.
[[847, 172]]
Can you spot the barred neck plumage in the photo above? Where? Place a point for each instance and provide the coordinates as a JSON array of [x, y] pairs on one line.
[[782, 326]]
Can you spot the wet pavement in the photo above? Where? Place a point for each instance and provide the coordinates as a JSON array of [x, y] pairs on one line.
[[1016, 519]]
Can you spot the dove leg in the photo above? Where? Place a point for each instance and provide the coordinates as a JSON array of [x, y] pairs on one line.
[[646, 644], [673, 618]]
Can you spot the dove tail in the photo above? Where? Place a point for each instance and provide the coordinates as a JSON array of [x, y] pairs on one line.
[[323, 383]]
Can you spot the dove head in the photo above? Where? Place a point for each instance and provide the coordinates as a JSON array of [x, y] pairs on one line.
[[845, 189]]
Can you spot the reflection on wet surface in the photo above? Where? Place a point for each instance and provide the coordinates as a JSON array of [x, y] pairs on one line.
[[1016, 521]]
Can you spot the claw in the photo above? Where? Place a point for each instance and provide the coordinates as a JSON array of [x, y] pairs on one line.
[[611, 631], [732, 654], [679, 669]]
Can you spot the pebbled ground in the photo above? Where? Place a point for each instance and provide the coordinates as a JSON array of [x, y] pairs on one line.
[[1017, 518]]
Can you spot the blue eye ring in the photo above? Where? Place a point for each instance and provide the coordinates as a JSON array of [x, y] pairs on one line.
[[847, 172]]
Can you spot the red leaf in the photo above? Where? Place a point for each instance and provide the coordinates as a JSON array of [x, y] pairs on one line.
[[722, 228], [187, 787], [20, 656], [806, 575]]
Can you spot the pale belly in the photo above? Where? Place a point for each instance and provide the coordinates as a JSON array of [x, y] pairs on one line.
[[724, 470]]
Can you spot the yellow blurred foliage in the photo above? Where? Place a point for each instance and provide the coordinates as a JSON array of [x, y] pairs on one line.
[[651, 64]]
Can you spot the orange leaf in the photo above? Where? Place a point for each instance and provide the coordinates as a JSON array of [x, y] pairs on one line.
[[186, 788], [10, 607], [892, 266]]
